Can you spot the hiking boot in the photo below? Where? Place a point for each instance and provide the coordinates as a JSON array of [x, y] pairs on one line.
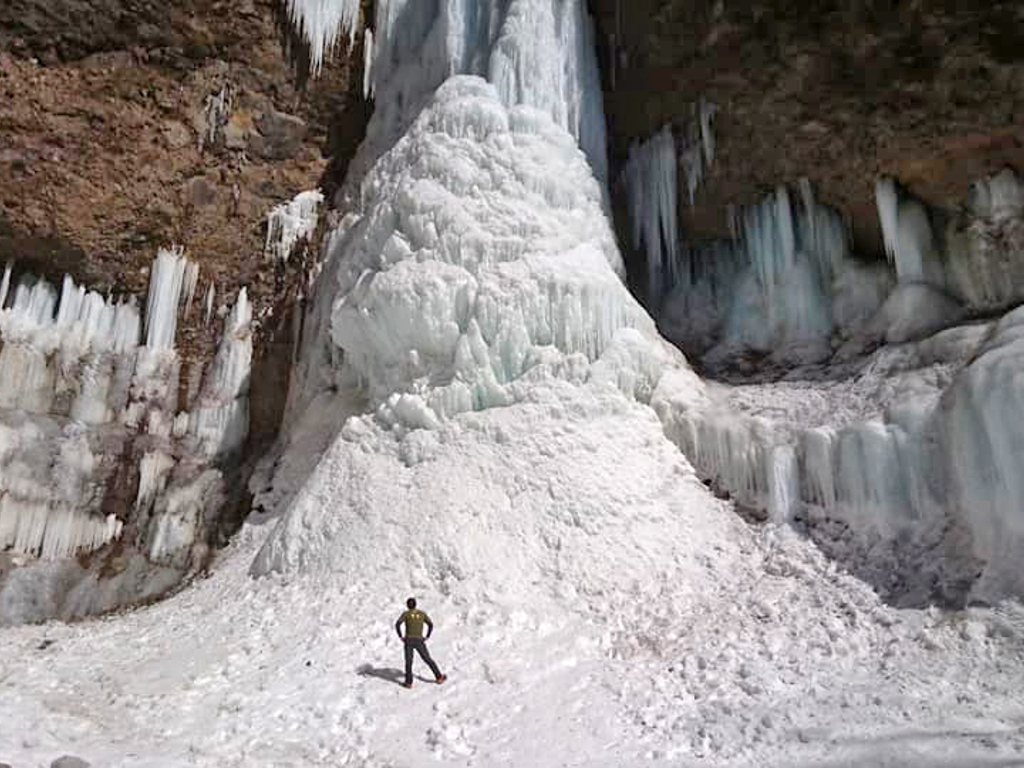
[[441, 679]]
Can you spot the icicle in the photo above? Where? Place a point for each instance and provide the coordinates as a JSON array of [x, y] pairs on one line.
[[321, 22], [190, 281], [887, 201], [707, 136], [215, 114], [289, 222], [165, 284], [368, 64], [5, 284], [651, 190], [211, 293]]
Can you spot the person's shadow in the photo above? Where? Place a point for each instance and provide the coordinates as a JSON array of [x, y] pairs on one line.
[[389, 674]]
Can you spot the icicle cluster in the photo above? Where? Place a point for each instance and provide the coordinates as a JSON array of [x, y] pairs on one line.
[[651, 186], [321, 23], [290, 222], [172, 283], [75, 319], [651, 191]]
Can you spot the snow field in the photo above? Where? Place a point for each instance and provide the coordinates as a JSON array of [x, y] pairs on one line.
[[646, 624]]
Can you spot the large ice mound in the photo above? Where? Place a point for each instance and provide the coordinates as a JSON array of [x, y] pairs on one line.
[[482, 273], [483, 251]]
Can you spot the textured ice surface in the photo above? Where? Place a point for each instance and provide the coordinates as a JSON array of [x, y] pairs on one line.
[[537, 53], [483, 245]]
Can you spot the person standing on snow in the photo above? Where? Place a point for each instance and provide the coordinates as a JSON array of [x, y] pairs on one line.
[[414, 640]]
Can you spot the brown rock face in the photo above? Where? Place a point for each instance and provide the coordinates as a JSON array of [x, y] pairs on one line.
[[930, 92], [131, 125]]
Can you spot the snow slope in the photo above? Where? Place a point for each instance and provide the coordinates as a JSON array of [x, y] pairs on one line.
[[594, 606]]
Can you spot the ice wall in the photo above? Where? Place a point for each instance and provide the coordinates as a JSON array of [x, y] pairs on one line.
[[538, 53], [93, 444], [784, 287]]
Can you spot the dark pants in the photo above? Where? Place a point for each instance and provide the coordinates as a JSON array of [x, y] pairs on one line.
[[420, 646]]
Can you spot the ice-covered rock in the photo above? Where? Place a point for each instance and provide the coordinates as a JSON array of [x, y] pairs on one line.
[[89, 420]]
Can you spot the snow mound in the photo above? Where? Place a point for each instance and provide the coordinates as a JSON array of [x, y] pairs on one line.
[[575, 492]]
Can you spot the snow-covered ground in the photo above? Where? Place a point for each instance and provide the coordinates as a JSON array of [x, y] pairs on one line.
[[594, 604]]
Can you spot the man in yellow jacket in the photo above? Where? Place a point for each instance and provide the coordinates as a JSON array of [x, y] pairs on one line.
[[414, 640]]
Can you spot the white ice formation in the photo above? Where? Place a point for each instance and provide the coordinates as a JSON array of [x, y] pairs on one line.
[[80, 397], [476, 270], [321, 23], [651, 189], [290, 222]]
